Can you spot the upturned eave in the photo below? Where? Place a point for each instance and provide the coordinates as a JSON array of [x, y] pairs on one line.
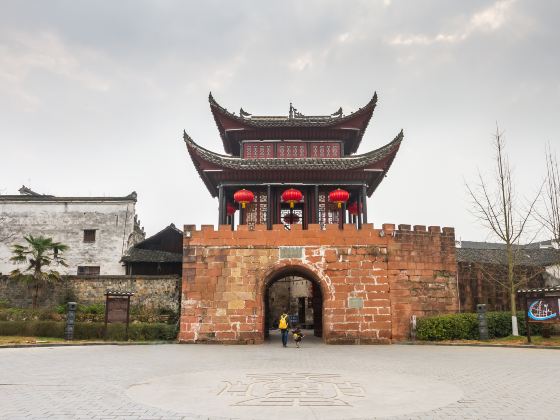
[[369, 168], [266, 127]]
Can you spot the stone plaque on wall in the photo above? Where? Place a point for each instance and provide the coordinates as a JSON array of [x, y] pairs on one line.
[[293, 252], [355, 303]]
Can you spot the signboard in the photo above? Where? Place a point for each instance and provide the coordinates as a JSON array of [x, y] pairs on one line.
[[294, 252], [355, 303], [543, 309], [117, 309]]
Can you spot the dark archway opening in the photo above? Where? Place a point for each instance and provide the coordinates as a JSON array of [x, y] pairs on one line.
[[298, 294]]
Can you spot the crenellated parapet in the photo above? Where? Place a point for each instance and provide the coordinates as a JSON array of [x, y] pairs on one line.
[[258, 235]]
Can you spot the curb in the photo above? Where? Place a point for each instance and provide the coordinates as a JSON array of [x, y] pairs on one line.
[[112, 343], [507, 346]]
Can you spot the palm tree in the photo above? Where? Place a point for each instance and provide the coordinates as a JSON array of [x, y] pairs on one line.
[[40, 252]]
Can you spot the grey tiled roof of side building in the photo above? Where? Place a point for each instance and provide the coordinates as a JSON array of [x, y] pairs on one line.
[[26, 194], [149, 255], [536, 257]]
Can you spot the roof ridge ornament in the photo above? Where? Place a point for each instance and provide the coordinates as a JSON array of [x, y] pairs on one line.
[[243, 113], [28, 191], [294, 113], [337, 113]]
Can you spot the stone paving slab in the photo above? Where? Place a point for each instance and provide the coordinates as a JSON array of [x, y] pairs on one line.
[[269, 382]]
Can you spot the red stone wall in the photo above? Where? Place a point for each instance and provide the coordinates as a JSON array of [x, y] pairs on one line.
[[372, 280]]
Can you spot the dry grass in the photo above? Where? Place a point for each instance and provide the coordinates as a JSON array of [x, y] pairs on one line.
[[14, 339], [27, 340]]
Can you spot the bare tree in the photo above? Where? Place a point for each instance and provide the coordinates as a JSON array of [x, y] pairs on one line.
[[551, 216], [497, 208]]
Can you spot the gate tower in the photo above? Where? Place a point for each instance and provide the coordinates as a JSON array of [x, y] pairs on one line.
[[301, 191]]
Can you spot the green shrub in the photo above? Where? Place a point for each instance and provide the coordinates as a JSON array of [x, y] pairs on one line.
[[448, 327], [95, 308], [21, 314], [90, 330], [465, 326], [156, 331], [32, 328]]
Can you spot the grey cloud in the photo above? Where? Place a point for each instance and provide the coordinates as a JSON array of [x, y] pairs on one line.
[[94, 96]]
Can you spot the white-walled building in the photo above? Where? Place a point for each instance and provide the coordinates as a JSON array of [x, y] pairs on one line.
[[97, 230]]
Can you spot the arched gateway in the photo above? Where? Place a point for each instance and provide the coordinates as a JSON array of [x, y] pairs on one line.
[[300, 194], [297, 290]]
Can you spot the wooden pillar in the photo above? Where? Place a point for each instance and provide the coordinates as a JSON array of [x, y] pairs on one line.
[[359, 215], [316, 204], [364, 203], [241, 214], [273, 209], [269, 207], [307, 206], [221, 205]]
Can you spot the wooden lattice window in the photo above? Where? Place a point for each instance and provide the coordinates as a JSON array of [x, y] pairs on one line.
[[256, 211], [89, 235], [88, 270], [328, 212], [296, 217]]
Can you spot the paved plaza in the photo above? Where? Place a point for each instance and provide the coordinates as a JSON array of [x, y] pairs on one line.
[[270, 382]]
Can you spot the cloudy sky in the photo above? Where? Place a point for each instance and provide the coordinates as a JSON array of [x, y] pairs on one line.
[[94, 96]]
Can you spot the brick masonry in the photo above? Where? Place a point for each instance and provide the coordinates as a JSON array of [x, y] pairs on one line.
[[372, 280], [151, 292]]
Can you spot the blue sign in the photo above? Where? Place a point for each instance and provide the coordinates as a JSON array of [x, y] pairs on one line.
[[544, 309]]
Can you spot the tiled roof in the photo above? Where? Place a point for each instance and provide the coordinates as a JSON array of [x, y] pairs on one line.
[[369, 168], [343, 163], [295, 120], [148, 255], [295, 126], [25, 196], [524, 256]]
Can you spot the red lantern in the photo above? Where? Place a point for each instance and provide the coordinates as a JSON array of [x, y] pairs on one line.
[[230, 209], [244, 197], [292, 196], [339, 196], [353, 208], [291, 219]]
